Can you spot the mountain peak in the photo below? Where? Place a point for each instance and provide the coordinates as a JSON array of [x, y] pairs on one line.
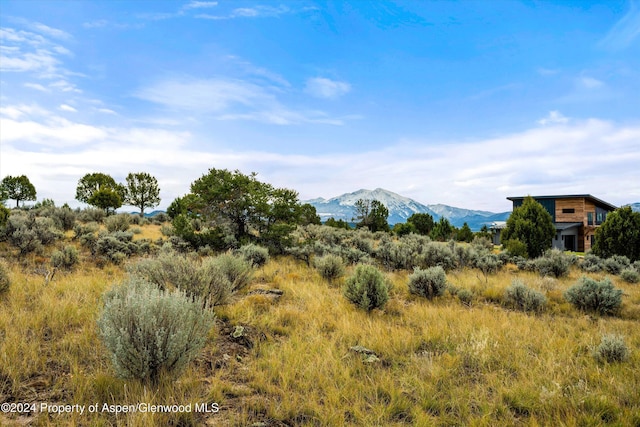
[[400, 208]]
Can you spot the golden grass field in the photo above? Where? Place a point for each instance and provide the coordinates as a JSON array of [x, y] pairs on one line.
[[440, 362]]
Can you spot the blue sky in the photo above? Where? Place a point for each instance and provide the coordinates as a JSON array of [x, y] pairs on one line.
[[462, 103]]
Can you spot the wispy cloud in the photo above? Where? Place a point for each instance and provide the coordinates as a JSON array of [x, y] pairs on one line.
[[547, 71], [590, 82], [100, 23], [52, 32], [199, 5], [24, 51], [553, 118], [37, 56], [36, 86], [249, 12], [229, 99], [68, 108], [321, 87], [625, 31]]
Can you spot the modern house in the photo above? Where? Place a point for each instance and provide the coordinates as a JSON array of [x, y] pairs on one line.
[[575, 217]]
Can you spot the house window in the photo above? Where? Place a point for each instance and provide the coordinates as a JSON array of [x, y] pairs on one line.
[[589, 218], [568, 210]]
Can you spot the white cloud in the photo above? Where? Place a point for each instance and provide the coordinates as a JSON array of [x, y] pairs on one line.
[[554, 117], [321, 87], [69, 108], [576, 156]]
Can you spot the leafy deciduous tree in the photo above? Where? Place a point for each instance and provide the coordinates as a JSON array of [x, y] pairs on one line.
[[100, 190], [251, 209], [532, 225], [142, 191], [18, 188]]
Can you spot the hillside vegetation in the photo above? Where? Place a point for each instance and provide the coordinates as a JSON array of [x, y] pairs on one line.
[[289, 349]]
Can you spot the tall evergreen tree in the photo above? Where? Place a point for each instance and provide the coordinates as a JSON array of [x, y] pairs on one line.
[[531, 224], [371, 214], [423, 223], [619, 234]]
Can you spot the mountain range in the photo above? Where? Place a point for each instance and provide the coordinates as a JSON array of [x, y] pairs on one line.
[[400, 208]]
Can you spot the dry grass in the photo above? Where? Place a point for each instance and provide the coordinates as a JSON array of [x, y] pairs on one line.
[[441, 362]]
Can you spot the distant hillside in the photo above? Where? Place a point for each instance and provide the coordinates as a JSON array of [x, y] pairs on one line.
[[148, 214], [635, 206], [401, 208]]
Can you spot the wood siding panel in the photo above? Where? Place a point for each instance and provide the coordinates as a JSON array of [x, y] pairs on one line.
[[578, 205]]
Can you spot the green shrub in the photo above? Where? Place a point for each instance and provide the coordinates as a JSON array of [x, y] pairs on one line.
[[4, 217], [367, 288], [616, 264], [465, 296], [160, 218], [429, 283], [198, 280], [148, 331], [434, 254], [138, 220], [63, 217], [612, 348], [330, 267], [67, 258], [630, 275], [92, 215], [255, 255], [591, 263], [515, 247], [5, 281], [594, 296], [120, 222], [553, 263], [80, 230], [236, 269], [116, 246], [29, 233], [487, 263], [521, 297]]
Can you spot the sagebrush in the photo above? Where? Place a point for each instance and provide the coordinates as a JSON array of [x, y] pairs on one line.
[[429, 283], [148, 331], [595, 296], [367, 288]]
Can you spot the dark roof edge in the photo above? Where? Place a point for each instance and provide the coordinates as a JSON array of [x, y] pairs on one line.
[[569, 196]]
